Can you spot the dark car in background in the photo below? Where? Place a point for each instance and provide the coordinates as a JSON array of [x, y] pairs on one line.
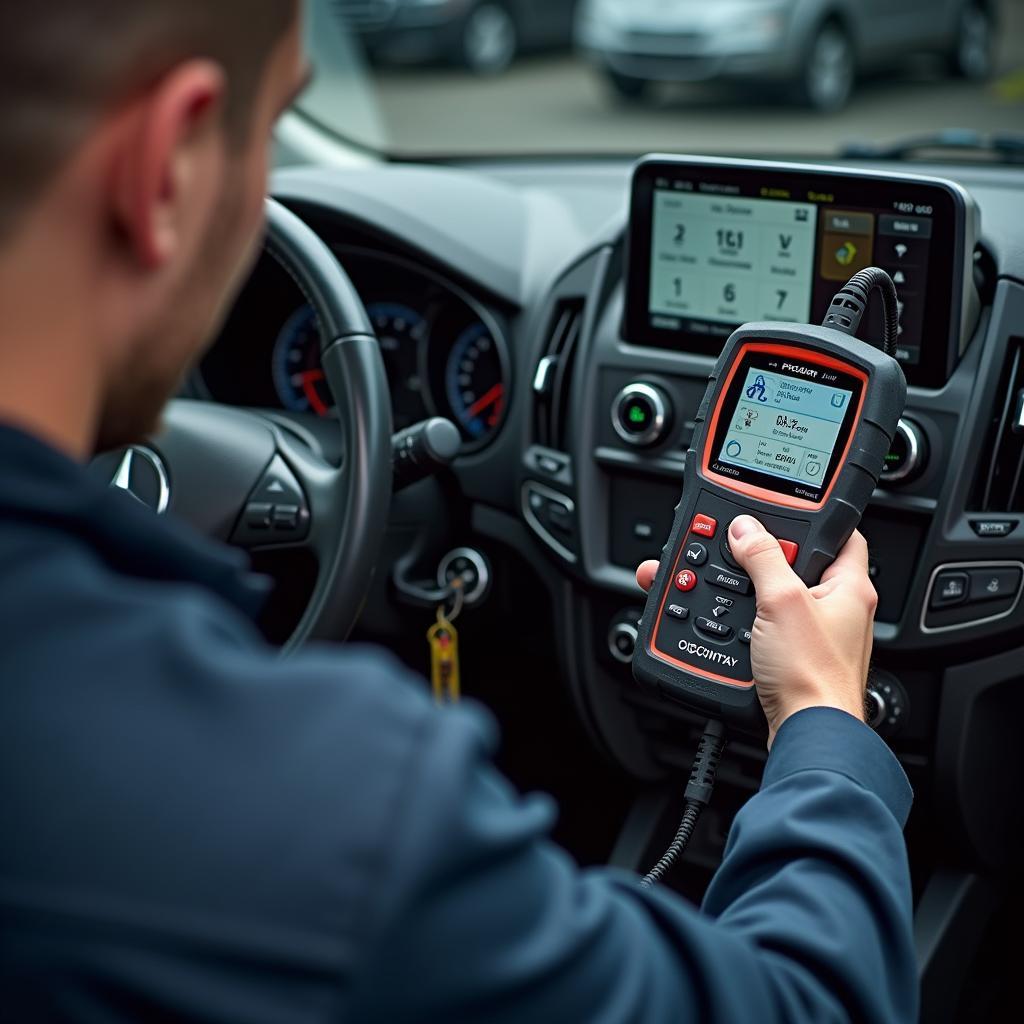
[[484, 36], [815, 47]]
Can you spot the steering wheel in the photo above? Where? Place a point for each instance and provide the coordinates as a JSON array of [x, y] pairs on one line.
[[238, 476]]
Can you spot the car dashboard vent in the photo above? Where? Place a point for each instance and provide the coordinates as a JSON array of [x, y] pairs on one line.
[[554, 373], [1000, 483]]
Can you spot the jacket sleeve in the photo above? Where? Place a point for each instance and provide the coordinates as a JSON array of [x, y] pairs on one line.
[[808, 918]]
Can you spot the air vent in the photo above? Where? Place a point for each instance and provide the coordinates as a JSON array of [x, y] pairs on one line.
[[554, 372], [1001, 476]]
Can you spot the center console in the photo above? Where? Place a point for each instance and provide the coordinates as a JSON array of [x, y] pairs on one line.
[[625, 344]]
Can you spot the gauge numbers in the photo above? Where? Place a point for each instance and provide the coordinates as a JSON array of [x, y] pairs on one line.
[[475, 382]]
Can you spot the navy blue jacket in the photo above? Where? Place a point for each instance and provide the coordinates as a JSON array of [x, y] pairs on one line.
[[192, 828]]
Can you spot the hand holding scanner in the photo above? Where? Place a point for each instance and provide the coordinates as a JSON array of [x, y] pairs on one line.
[[794, 428]]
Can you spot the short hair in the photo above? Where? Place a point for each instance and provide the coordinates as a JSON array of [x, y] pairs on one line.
[[64, 62]]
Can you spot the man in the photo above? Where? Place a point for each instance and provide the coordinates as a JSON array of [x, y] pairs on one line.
[[191, 828]]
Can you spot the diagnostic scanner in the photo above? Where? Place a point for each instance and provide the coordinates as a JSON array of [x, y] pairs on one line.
[[793, 429]]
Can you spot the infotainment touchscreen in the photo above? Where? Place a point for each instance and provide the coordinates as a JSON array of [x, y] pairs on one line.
[[716, 244]]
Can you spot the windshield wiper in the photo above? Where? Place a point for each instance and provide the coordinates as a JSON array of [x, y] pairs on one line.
[[1006, 148]]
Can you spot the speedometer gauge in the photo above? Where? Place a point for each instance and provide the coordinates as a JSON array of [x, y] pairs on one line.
[[475, 382], [402, 333], [298, 376]]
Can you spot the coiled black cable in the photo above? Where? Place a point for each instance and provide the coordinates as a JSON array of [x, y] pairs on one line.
[[848, 305], [697, 796]]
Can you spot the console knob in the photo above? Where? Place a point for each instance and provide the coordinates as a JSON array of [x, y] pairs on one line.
[[907, 456], [622, 641], [641, 414], [886, 704], [875, 708]]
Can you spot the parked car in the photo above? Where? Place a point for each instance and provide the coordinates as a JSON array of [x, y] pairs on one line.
[[815, 46], [484, 36]]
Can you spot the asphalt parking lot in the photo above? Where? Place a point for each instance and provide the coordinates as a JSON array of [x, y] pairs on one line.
[[557, 103]]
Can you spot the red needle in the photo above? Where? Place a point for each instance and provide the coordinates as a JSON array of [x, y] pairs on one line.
[[309, 379], [494, 395]]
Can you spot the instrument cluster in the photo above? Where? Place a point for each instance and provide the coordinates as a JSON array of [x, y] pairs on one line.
[[445, 354]]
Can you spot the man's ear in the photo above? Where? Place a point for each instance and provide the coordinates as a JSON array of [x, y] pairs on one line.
[[168, 161]]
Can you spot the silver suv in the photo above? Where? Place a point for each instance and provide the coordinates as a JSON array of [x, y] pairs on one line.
[[816, 47]]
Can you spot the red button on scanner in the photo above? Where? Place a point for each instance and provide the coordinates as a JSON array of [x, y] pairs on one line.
[[686, 580], [789, 549], [704, 525]]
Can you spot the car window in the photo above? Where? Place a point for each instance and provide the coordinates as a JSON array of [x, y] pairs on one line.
[[481, 77]]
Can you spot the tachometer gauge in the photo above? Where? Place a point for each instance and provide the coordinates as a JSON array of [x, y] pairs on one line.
[[475, 382], [402, 333], [298, 375]]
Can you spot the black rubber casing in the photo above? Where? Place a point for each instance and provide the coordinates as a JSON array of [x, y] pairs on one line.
[[820, 533]]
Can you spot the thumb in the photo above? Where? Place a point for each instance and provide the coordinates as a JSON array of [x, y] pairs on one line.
[[758, 552]]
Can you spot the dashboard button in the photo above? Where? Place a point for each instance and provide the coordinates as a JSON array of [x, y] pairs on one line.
[[686, 580], [641, 414], [907, 455], [696, 553], [949, 588], [713, 628], [703, 525], [728, 580], [992, 584], [993, 527], [643, 530], [677, 611]]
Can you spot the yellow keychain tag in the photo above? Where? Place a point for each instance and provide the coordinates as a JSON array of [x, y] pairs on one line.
[[444, 659]]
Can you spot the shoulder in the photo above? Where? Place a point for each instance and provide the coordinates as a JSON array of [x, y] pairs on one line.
[[228, 780]]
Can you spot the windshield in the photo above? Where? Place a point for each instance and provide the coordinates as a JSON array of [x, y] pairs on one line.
[[448, 78]]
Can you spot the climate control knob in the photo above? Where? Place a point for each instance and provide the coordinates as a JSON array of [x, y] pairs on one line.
[[641, 414], [622, 639], [885, 703], [907, 456]]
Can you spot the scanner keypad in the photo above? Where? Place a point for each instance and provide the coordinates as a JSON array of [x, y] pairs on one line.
[[707, 623]]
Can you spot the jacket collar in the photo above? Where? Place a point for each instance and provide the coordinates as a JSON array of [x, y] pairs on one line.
[[40, 485]]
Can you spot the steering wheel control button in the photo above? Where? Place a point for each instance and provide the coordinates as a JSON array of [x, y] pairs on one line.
[[677, 611], [258, 515], [641, 414], [789, 549], [695, 553], [712, 627], [686, 580], [993, 527], [276, 511], [728, 580], [949, 588], [993, 584], [704, 526], [744, 636], [285, 517]]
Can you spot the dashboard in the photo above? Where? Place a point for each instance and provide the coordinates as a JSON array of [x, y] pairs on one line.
[[523, 301]]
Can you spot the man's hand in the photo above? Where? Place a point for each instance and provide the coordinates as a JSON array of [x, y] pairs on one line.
[[810, 647]]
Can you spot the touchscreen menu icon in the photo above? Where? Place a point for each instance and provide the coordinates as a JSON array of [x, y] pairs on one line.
[[847, 239]]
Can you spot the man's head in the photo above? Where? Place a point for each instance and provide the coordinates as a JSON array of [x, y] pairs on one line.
[[133, 163]]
